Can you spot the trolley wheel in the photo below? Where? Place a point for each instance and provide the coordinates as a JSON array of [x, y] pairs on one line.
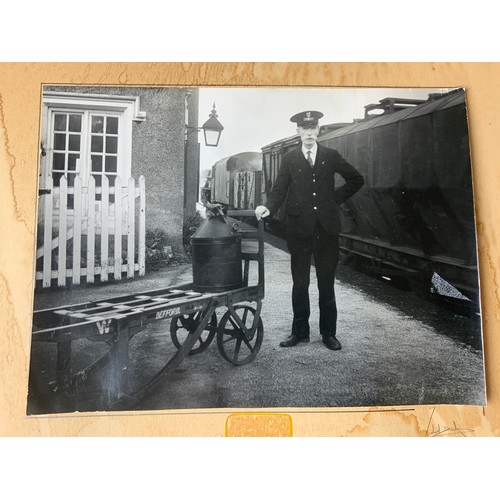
[[181, 326], [240, 345]]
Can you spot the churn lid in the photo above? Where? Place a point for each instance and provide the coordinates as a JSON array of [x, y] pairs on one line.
[[215, 226]]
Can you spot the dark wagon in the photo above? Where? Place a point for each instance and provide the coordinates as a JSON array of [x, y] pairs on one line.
[[415, 214]]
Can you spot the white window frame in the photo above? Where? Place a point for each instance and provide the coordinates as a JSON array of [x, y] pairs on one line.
[[127, 106]]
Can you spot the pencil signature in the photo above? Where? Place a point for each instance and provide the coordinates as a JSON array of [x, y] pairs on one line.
[[434, 430]]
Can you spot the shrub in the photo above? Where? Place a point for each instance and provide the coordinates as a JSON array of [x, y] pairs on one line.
[[158, 252]]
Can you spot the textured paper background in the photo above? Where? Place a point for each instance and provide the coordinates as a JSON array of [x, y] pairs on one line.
[[20, 89]]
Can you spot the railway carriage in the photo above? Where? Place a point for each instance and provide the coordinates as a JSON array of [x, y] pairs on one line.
[[231, 189]]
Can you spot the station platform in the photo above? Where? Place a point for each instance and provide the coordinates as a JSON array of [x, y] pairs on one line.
[[395, 352]]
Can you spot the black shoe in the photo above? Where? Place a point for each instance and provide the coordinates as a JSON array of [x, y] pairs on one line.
[[331, 342], [293, 340]]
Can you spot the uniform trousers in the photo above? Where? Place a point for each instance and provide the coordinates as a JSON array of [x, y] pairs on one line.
[[325, 250]]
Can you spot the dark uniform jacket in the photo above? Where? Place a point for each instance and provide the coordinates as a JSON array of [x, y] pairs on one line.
[[311, 190]]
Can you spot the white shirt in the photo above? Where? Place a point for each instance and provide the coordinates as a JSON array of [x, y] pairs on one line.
[[313, 151]]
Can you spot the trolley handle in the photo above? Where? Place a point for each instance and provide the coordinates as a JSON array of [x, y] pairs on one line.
[[241, 213], [259, 256], [250, 213]]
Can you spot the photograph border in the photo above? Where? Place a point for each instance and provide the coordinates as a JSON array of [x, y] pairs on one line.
[[18, 148]]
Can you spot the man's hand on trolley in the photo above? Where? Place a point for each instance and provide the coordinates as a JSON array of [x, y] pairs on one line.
[[261, 212]]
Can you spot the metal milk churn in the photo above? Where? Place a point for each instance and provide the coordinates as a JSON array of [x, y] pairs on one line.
[[216, 253]]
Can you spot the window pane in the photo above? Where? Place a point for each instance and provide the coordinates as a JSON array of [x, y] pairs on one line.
[[110, 163], [60, 142], [111, 144], [98, 180], [72, 161], [96, 146], [112, 125], [74, 142], [97, 124], [96, 163], [75, 123], [58, 161], [59, 122]]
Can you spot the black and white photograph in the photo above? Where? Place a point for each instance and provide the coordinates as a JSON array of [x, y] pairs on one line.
[[254, 247]]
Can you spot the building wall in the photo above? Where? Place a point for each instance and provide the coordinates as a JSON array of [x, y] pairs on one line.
[[159, 153], [191, 188]]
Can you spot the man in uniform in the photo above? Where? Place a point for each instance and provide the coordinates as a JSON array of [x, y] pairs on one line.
[[307, 181]]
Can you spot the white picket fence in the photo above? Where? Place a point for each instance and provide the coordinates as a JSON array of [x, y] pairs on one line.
[[92, 225]]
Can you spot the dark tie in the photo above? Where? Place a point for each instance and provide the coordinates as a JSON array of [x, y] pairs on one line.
[[309, 159]]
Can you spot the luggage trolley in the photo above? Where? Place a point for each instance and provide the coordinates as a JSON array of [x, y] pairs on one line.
[[194, 324]]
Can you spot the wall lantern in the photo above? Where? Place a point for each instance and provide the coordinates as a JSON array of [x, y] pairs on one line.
[[212, 129]]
